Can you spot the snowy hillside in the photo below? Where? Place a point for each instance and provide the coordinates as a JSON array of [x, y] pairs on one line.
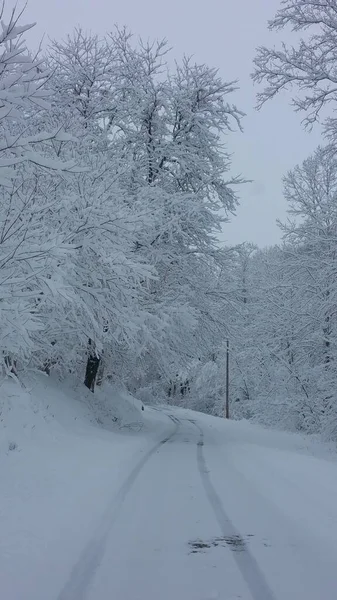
[[59, 462], [43, 406]]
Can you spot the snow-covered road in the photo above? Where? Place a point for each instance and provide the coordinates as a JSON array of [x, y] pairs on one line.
[[214, 510]]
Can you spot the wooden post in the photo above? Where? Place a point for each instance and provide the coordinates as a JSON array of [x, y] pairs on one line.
[[227, 381]]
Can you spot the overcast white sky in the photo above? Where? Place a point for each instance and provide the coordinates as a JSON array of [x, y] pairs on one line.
[[223, 34]]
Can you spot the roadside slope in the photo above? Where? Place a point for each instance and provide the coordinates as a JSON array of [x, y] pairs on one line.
[[63, 453]]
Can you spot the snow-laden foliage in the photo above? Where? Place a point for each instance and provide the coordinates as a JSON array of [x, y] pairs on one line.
[[158, 137], [307, 67], [282, 327], [32, 252], [114, 177]]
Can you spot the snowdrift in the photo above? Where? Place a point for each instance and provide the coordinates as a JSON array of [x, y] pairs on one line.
[[54, 438], [45, 407]]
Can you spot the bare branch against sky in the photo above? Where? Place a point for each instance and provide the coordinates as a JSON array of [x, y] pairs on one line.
[[224, 35]]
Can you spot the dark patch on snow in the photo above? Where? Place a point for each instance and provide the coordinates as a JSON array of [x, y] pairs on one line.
[[199, 546], [236, 543], [12, 446]]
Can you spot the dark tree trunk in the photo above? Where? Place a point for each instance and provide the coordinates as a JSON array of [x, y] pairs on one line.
[[92, 367]]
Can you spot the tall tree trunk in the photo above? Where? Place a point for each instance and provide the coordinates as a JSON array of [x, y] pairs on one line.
[[92, 367]]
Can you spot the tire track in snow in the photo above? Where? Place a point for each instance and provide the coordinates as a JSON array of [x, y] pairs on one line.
[[84, 570], [245, 561]]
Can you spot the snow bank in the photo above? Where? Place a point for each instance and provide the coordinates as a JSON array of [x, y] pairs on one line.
[[63, 453], [45, 407]]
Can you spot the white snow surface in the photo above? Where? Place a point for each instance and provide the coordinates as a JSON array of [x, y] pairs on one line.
[[100, 500]]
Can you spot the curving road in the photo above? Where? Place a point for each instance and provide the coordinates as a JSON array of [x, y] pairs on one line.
[[207, 513]]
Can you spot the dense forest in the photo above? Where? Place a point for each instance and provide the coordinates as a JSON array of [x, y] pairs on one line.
[[116, 179]]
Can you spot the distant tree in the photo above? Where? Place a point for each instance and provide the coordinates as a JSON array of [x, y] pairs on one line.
[[284, 363]]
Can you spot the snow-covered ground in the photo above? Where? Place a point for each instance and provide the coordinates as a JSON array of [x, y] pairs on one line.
[[101, 500]]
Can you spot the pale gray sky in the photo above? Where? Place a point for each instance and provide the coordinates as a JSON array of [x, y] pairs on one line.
[[223, 34]]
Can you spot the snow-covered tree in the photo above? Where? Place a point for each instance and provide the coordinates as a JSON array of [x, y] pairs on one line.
[[309, 66], [161, 135], [311, 191], [282, 326], [114, 177], [29, 252]]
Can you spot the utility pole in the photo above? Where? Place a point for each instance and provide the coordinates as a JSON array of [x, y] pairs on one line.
[[227, 381]]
